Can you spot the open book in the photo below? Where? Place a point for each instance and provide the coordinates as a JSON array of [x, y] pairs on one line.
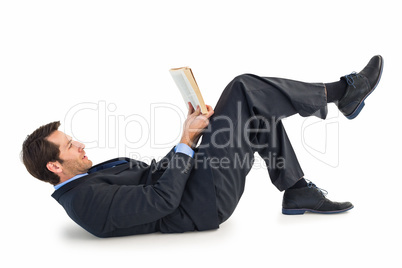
[[188, 87]]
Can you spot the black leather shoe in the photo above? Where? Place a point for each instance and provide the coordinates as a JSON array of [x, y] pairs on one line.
[[360, 86], [312, 199]]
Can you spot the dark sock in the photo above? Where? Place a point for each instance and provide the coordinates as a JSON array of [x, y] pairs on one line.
[[299, 184], [336, 90]]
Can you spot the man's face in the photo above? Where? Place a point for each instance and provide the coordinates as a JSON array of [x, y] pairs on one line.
[[72, 153]]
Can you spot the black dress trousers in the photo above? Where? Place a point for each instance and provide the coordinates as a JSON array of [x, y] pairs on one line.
[[247, 119]]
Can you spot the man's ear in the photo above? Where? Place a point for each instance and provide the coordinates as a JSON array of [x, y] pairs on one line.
[[54, 167]]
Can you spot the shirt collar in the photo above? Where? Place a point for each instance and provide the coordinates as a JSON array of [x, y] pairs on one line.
[[56, 187]]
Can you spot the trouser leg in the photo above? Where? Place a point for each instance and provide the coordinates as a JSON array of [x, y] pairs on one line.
[[247, 119]]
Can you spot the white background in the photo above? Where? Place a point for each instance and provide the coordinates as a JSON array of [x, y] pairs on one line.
[[55, 55]]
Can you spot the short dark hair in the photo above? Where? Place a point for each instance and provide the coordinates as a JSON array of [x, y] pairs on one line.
[[37, 151]]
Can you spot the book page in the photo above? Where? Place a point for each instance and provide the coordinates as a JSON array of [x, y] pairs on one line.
[[186, 89]]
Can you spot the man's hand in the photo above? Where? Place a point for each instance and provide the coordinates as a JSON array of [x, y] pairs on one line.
[[195, 124]]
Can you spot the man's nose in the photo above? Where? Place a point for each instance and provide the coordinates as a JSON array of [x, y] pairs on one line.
[[79, 145]]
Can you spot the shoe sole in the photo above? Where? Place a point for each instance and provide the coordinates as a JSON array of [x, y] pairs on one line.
[[361, 105], [301, 211]]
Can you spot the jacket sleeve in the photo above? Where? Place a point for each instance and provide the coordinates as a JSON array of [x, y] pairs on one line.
[[130, 205]]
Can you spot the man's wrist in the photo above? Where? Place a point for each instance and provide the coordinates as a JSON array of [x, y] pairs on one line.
[[188, 141]]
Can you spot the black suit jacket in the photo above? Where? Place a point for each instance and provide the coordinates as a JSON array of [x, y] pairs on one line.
[[135, 198]]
